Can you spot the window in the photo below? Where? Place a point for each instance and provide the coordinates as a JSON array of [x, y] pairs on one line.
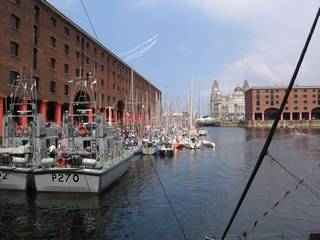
[[36, 13], [295, 90], [108, 99], [53, 42], [66, 32], [286, 108], [277, 102], [18, 2], [66, 68], [77, 72], [52, 63], [53, 22], [113, 86], [305, 101], [13, 77], [295, 102], [102, 55], [53, 86], [82, 43], [95, 65], [87, 45], [35, 35], [66, 90], [87, 60], [102, 82], [266, 90], [102, 99], [295, 108], [14, 48], [305, 96], [102, 68], [78, 54], [295, 96], [304, 90], [313, 95], [35, 58], [258, 108], [95, 50], [15, 22], [66, 49], [267, 102]]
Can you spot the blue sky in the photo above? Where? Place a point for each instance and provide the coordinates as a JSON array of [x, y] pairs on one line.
[[203, 40]]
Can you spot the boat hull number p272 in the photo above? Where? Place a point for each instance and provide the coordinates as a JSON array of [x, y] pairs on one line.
[[3, 175]]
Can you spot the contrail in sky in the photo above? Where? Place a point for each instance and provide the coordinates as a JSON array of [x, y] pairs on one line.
[[141, 49]]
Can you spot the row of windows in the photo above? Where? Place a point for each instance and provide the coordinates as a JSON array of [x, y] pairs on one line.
[[294, 90], [295, 108], [52, 85], [14, 48], [295, 96], [277, 102]]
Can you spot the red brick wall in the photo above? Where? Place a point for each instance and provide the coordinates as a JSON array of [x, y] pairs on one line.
[[116, 74]]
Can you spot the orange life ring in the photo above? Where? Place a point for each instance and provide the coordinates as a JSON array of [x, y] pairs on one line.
[[60, 162], [19, 130], [82, 130]]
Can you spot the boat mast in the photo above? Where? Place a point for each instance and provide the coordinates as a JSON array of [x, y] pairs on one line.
[[132, 104]]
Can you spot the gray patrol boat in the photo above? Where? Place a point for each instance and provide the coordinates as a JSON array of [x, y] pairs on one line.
[[25, 138], [90, 155]]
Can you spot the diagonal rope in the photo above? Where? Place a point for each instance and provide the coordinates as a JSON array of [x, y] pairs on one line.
[[168, 200], [91, 24], [299, 180], [265, 148]]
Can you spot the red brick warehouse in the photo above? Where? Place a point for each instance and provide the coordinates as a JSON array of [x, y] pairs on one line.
[[37, 38], [262, 103]]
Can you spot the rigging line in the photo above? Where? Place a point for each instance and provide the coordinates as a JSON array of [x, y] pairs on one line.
[[168, 200], [299, 180], [274, 126], [84, 8]]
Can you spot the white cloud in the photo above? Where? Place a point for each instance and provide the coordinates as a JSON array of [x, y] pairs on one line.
[[278, 28]]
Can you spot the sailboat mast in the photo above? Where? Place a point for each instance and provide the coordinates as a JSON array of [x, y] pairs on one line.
[[132, 104]]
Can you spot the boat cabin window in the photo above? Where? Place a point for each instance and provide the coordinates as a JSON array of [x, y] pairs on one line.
[[86, 144], [25, 142]]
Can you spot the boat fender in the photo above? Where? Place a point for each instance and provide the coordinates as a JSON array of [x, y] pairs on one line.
[[19, 160], [82, 130], [47, 162], [89, 162], [60, 162], [19, 130]]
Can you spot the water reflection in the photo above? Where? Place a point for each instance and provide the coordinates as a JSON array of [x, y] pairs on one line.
[[203, 185]]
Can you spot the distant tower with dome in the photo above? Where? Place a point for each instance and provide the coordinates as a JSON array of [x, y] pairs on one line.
[[215, 100], [228, 107]]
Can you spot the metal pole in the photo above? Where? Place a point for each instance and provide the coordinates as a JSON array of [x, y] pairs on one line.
[[264, 150]]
